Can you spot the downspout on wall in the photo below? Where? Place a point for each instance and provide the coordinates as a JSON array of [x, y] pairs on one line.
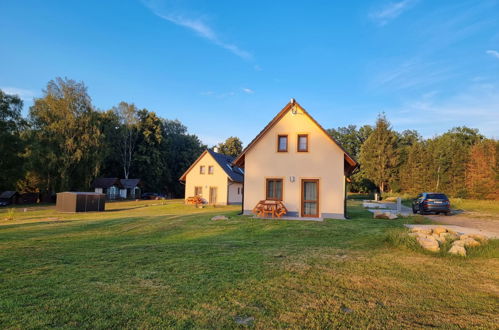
[[345, 214]]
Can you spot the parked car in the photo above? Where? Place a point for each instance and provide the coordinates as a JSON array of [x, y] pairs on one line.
[[431, 202], [153, 196], [4, 203]]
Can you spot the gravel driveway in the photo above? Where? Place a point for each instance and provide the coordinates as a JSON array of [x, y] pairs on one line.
[[466, 219], [488, 223]]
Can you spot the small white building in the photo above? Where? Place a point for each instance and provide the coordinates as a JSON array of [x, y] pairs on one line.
[[115, 188]]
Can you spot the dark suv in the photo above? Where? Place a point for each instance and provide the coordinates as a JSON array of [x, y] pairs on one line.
[[431, 202]]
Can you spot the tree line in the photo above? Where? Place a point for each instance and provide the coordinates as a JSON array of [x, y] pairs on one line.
[[461, 162], [65, 143]]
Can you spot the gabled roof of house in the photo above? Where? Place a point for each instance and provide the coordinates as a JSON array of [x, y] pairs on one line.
[[129, 183], [349, 160], [106, 183], [234, 173], [8, 194]]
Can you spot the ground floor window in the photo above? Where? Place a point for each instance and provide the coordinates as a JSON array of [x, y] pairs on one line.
[[274, 189], [198, 191]]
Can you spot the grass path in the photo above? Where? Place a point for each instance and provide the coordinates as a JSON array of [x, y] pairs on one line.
[[171, 266]]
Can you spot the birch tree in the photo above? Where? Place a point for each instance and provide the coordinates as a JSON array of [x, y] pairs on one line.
[[128, 120]]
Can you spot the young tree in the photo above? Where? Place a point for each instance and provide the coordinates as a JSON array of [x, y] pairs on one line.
[[65, 137], [128, 119], [11, 145], [231, 147], [378, 154]]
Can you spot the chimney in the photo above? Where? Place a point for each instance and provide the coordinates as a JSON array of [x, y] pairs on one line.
[[215, 149]]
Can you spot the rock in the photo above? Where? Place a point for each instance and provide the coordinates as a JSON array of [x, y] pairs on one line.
[[429, 243], [220, 217], [458, 243], [421, 230], [440, 239], [457, 250], [346, 309], [439, 230], [479, 237], [449, 236], [380, 215], [463, 236], [244, 320], [470, 242], [391, 216]]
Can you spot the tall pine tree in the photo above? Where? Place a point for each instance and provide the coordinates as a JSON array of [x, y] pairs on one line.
[[378, 155]]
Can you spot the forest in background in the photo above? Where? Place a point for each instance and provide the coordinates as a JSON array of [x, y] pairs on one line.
[[460, 163], [65, 143]]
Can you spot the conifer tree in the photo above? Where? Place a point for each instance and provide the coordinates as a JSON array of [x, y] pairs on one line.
[[378, 155]]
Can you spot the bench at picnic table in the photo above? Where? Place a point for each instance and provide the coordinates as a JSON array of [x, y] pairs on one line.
[[270, 207]]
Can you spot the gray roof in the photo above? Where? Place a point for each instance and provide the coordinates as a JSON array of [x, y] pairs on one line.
[[8, 194], [130, 183], [106, 182], [235, 173]]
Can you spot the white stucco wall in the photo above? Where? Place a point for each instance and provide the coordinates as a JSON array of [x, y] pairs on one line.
[[323, 161], [235, 193]]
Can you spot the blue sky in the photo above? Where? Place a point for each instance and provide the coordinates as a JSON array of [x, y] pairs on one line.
[[227, 67]]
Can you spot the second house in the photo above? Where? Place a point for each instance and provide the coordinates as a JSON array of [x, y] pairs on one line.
[[213, 178]]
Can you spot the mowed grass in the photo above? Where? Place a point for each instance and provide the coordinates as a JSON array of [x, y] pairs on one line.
[[171, 266]]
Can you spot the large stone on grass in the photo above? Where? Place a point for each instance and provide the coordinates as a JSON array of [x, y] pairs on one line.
[[384, 215], [428, 243], [448, 236], [219, 217], [423, 230], [439, 230], [457, 250], [479, 237], [470, 242], [440, 239]]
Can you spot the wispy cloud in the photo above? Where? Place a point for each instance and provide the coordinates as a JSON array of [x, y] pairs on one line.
[[391, 11], [475, 106], [411, 73], [24, 94], [198, 26], [493, 53], [218, 95], [248, 90]]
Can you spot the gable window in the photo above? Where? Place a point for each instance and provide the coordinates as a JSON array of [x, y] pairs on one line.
[[198, 191], [201, 169], [302, 142], [210, 169], [274, 189], [282, 143]]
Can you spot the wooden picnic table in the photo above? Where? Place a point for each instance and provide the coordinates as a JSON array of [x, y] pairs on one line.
[[271, 208]]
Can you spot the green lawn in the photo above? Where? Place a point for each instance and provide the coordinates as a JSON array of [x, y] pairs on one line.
[[490, 207], [171, 266]]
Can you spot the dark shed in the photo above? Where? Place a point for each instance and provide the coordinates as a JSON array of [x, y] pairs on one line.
[[80, 202], [9, 196]]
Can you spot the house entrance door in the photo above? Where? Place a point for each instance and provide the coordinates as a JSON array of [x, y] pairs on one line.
[[213, 195], [310, 198]]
